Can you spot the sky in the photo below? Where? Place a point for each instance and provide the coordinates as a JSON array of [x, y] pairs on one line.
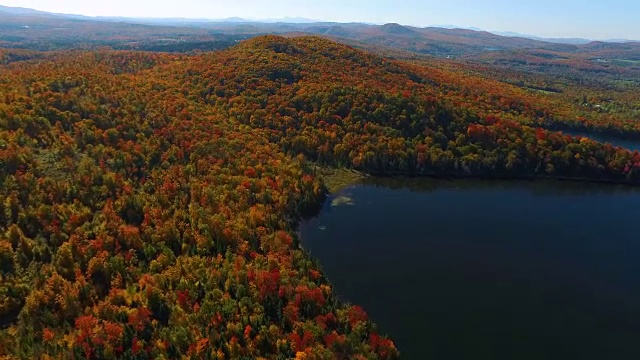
[[593, 19]]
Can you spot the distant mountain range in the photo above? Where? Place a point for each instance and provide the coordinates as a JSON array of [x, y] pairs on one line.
[[443, 41], [574, 41], [22, 11], [288, 20]]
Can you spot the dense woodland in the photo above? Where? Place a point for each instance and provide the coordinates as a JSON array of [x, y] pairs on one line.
[[149, 201]]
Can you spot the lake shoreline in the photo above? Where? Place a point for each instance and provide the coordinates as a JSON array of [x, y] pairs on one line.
[[338, 178], [577, 179], [398, 174]]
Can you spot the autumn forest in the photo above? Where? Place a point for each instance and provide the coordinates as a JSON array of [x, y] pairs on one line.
[[150, 200]]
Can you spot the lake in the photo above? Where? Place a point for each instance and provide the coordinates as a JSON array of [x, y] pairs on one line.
[[488, 270], [627, 144]]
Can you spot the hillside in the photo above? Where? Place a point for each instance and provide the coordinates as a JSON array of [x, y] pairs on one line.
[[596, 89], [150, 201]]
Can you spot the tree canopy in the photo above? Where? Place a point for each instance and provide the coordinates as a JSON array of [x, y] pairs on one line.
[[149, 201]]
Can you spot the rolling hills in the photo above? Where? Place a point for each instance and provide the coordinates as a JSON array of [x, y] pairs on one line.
[[30, 28], [150, 200]]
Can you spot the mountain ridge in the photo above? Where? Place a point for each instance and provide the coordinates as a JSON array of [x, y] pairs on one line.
[[21, 11]]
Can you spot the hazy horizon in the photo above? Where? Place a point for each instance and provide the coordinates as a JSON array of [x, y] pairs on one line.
[[615, 19]]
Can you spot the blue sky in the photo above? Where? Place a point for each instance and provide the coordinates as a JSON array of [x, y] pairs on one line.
[[551, 18]]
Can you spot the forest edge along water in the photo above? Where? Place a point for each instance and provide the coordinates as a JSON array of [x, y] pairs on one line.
[[336, 179], [487, 269], [630, 145]]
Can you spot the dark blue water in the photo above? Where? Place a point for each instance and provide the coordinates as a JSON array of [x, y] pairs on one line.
[[627, 144], [476, 270]]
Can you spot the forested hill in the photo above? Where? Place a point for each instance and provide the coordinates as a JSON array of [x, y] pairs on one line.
[[149, 201], [345, 107]]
